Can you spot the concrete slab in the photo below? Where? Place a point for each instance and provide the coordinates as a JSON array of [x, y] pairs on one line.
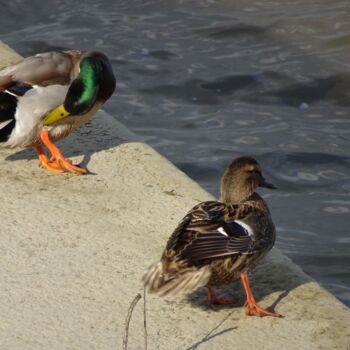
[[74, 248]]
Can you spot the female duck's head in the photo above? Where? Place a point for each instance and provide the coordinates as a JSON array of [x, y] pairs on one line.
[[241, 179]]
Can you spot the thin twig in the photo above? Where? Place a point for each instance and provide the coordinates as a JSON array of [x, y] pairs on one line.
[[144, 317], [127, 322]]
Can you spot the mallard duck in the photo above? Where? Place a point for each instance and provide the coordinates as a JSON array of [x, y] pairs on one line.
[[219, 242], [43, 98]]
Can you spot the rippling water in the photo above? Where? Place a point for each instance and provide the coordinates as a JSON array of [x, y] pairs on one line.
[[206, 81]]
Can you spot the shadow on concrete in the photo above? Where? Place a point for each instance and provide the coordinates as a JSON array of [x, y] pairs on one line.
[[271, 277], [210, 335], [95, 136]]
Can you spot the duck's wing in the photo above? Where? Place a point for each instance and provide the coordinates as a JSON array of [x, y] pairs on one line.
[[207, 231], [211, 230], [42, 69]]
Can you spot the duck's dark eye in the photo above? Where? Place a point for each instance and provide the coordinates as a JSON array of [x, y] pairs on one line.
[[254, 172]]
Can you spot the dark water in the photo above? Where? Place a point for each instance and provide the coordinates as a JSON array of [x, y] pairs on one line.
[[206, 81]]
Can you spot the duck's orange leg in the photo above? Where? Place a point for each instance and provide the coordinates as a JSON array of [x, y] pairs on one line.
[[46, 163], [251, 307], [219, 299], [57, 160]]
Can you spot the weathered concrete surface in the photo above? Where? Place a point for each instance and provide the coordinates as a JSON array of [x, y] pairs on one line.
[[74, 248]]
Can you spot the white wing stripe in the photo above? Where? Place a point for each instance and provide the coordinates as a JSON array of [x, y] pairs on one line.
[[246, 227], [10, 93], [222, 231], [6, 122]]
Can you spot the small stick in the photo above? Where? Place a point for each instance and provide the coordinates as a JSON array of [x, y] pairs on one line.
[[127, 322], [144, 317]]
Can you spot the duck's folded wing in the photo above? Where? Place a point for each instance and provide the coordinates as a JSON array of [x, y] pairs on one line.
[[43, 69], [205, 233], [200, 215], [223, 239]]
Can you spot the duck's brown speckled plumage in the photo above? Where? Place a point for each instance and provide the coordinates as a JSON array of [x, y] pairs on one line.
[[217, 242]]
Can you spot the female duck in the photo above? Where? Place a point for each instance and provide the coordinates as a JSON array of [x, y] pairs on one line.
[[219, 242], [45, 97]]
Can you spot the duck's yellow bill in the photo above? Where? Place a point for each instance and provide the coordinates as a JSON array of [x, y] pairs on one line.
[[56, 115]]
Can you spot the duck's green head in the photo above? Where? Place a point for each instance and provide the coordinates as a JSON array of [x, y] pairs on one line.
[[94, 84]]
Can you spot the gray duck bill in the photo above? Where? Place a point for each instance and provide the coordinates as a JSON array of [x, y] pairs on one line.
[[266, 184]]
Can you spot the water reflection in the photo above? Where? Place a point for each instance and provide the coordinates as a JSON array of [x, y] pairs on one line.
[[333, 89]]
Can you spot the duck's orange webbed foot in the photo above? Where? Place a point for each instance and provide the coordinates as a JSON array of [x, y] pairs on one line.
[[67, 165], [57, 163], [47, 164], [220, 299], [251, 307]]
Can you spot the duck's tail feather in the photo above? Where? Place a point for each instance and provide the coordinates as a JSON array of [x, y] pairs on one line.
[[160, 282]]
